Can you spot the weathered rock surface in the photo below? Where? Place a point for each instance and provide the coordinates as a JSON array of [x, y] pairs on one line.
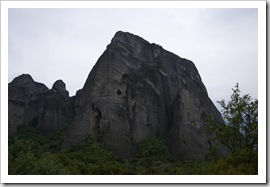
[[19, 94], [137, 90], [32, 102]]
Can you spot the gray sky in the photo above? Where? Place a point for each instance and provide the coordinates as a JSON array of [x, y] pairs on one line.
[[52, 44]]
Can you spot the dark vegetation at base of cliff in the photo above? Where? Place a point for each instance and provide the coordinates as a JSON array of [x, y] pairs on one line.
[[34, 154]]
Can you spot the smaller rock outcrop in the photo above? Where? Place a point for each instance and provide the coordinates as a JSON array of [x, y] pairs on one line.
[[60, 86], [27, 82], [20, 91], [32, 102]]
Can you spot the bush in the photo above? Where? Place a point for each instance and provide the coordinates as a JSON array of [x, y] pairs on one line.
[[154, 149]]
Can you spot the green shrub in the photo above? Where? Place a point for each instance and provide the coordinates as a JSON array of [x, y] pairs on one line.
[[153, 149]]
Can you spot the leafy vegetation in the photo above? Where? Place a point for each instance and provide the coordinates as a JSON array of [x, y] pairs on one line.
[[239, 132], [33, 154]]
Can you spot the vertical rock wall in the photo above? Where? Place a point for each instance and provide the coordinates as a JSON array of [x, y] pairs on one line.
[[137, 90], [32, 102]]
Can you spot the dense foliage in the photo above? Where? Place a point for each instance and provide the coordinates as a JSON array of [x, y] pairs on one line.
[[33, 154]]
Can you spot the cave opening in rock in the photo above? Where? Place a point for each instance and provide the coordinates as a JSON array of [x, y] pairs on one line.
[[34, 122], [148, 125], [119, 92], [125, 77]]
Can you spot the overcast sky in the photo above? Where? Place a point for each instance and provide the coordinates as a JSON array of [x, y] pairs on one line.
[[52, 44]]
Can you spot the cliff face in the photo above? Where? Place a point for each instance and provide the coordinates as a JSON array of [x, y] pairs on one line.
[[137, 90], [32, 102]]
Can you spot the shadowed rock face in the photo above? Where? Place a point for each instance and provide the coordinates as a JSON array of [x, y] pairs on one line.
[[32, 102], [137, 90], [20, 91]]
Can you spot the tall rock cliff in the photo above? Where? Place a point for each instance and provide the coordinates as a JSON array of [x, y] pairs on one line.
[[33, 102], [137, 90]]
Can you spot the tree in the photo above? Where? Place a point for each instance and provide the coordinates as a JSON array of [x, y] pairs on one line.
[[20, 157], [240, 128]]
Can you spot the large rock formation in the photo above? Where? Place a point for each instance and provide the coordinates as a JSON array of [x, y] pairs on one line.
[[32, 102], [137, 90]]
